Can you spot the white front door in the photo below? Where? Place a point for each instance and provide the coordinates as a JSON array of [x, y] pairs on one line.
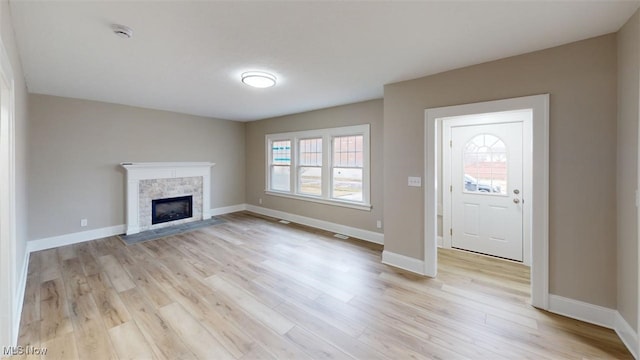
[[487, 189]]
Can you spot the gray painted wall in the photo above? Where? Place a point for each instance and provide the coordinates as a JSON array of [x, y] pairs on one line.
[[76, 146], [581, 78], [369, 112]]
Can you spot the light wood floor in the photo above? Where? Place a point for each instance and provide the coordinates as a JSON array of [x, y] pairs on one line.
[[253, 288]]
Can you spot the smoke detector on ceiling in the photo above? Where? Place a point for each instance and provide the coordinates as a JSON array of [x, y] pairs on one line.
[[124, 32]]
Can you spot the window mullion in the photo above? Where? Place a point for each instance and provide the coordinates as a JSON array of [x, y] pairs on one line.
[[326, 166], [269, 152], [293, 166]]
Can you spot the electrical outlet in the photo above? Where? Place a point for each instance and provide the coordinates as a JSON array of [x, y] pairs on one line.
[[83, 222], [379, 224], [415, 181], [260, 201]]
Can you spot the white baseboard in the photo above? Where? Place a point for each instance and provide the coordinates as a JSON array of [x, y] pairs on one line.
[[78, 237], [74, 238], [579, 310], [19, 296], [597, 315], [575, 309], [440, 243], [403, 262], [228, 209], [626, 333], [367, 235]]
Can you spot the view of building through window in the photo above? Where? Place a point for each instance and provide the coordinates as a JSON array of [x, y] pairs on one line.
[[485, 165]]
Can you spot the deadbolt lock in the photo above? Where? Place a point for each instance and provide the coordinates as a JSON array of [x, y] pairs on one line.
[[516, 191]]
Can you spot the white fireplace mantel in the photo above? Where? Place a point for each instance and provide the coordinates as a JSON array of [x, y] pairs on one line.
[[163, 170]]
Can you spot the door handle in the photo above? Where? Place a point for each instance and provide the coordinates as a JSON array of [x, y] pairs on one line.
[[516, 201]]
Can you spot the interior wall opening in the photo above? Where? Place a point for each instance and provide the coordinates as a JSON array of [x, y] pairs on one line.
[[464, 124]]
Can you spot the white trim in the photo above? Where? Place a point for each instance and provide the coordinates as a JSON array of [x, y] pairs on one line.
[[539, 194], [146, 165], [367, 235], [74, 238], [78, 237], [8, 239], [228, 209], [579, 310], [557, 304], [403, 262], [627, 335], [19, 299], [440, 241], [598, 315], [637, 348], [350, 205]]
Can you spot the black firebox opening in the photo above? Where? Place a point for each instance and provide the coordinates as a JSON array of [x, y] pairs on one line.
[[171, 209]]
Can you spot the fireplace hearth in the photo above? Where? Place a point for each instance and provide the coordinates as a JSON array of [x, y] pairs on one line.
[[171, 209]]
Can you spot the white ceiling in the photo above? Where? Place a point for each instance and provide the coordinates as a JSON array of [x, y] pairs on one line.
[[188, 56]]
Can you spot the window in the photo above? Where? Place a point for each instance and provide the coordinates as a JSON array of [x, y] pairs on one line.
[[485, 165], [281, 165], [347, 168], [310, 167], [330, 166]]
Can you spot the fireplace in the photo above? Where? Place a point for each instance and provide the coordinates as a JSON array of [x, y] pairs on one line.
[[159, 180], [171, 209]]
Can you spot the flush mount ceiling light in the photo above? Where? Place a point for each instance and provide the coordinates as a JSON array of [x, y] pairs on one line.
[[258, 79], [122, 31]]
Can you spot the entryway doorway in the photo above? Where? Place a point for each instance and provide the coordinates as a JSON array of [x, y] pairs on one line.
[[535, 215], [486, 177]]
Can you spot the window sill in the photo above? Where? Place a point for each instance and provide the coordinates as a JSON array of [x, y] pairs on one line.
[[365, 207]]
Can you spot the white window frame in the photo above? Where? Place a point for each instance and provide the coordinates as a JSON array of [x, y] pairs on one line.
[[327, 136]]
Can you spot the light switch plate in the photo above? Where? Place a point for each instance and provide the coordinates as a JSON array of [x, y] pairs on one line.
[[415, 181]]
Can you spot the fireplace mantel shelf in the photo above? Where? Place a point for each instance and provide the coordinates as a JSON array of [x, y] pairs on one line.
[[132, 165]]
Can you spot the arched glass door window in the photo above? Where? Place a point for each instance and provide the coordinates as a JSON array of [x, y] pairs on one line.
[[485, 165]]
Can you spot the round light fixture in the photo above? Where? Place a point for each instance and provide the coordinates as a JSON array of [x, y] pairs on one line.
[[258, 79]]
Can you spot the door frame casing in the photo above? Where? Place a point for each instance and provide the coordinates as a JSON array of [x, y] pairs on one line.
[[444, 164], [539, 198], [9, 304]]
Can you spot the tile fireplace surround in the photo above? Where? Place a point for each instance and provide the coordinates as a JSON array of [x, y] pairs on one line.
[[156, 180]]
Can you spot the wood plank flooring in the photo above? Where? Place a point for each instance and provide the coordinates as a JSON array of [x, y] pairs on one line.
[[253, 288]]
